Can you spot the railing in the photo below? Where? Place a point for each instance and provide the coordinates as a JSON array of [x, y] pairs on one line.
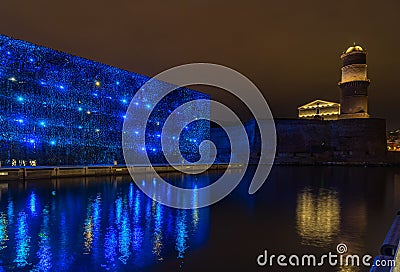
[[390, 249]]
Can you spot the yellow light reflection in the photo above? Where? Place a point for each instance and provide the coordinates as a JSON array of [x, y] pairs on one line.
[[318, 216], [88, 234]]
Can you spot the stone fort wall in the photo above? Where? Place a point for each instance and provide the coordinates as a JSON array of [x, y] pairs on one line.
[[302, 141]]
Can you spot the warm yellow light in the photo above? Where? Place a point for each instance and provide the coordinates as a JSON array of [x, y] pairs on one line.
[[354, 48], [98, 83], [318, 216], [88, 112]]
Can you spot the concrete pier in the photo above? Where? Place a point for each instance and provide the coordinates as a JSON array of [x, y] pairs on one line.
[[49, 172], [390, 249]]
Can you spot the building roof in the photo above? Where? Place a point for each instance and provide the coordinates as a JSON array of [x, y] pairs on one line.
[[319, 104]]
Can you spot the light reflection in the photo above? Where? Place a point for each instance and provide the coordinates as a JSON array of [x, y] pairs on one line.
[[88, 230], [118, 208], [32, 203], [318, 216], [124, 238], [181, 234], [3, 231], [92, 224], [137, 231], [64, 256], [96, 223], [130, 194], [137, 236], [157, 244], [136, 213], [110, 245], [22, 241], [10, 211], [195, 212], [44, 254], [344, 268]]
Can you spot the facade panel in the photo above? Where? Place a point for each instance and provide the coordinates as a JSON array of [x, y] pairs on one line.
[[59, 109]]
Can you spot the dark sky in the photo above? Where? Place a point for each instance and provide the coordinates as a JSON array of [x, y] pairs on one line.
[[289, 49]]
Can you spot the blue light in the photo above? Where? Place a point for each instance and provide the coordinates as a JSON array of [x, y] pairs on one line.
[[8, 53], [32, 141], [182, 234], [136, 132], [44, 252], [32, 203], [56, 94], [158, 135], [110, 248], [143, 149], [22, 240]]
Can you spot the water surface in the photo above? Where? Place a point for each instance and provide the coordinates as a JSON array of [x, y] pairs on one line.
[[107, 224]]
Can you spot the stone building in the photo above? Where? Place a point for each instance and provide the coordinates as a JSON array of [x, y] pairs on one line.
[[328, 132], [354, 84], [319, 109], [353, 91]]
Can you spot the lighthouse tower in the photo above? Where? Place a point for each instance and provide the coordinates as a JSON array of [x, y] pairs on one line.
[[354, 84]]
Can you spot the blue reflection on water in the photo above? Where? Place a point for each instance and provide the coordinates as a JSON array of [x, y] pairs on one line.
[[137, 235], [110, 245], [10, 211], [182, 234], [124, 237], [32, 203], [157, 243], [118, 205], [22, 241], [3, 230], [94, 226], [44, 254], [64, 257]]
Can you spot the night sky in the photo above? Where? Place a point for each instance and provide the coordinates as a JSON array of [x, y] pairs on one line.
[[289, 49]]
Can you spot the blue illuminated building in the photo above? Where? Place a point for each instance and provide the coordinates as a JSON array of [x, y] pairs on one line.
[[59, 109]]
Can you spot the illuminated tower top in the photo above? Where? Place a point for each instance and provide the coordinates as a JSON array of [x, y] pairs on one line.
[[354, 83]]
